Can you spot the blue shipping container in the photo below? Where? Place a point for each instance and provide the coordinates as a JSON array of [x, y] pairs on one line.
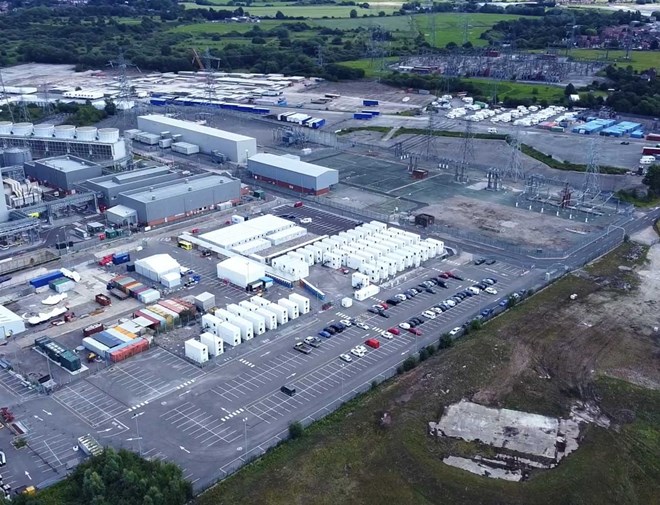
[[45, 279], [369, 103], [107, 340], [361, 115], [119, 258]]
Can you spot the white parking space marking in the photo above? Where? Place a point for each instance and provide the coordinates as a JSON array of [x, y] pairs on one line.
[[15, 384], [197, 424], [89, 403]]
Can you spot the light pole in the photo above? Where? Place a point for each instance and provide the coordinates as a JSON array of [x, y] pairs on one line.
[[245, 420], [137, 428]]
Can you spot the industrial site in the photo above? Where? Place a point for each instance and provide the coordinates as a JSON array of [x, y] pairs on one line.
[[231, 253]]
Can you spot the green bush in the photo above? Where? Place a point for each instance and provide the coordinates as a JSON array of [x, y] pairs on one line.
[[296, 430], [409, 363], [445, 341]]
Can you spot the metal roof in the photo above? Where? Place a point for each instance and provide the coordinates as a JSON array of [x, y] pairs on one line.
[[292, 165], [67, 163], [176, 188], [189, 125], [7, 316]]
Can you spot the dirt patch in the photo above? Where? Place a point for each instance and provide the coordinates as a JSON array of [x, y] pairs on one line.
[[506, 223]]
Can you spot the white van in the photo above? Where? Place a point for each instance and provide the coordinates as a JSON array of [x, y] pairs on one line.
[[492, 130]]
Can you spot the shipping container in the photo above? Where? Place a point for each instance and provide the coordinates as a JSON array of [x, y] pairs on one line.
[[119, 258], [149, 296], [269, 317], [196, 351], [302, 301], [369, 103], [120, 295], [214, 343], [107, 339], [291, 308], [95, 346], [62, 285], [162, 321], [129, 349], [45, 279], [649, 150], [362, 115], [155, 323]]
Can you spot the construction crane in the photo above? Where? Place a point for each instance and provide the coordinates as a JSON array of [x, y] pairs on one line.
[[197, 59]]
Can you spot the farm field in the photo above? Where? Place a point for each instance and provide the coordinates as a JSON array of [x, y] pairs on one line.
[[640, 60], [538, 358]]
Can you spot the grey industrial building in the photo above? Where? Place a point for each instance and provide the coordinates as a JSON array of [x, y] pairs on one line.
[[291, 173], [110, 186], [62, 172], [169, 202], [236, 147]]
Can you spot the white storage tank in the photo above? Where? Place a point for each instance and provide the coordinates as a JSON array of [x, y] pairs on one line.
[[302, 301], [196, 351], [214, 344], [109, 135], [44, 130], [291, 308], [86, 133], [5, 127], [269, 317], [22, 129], [65, 131]]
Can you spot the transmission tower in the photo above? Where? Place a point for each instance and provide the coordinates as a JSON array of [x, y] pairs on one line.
[[319, 57], [121, 64], [514, 169], [5, 98], [591, 185], [467, 154], [433, 30], [23, 112], [47, 107], [466, 28], [431, 152], [209, 87]]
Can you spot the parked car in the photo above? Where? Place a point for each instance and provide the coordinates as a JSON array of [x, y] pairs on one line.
[[330, 330], [313, 341], [324, 334], [418, 320], [415, 331], [346, 322], [488, 280], [401, 297], [429, 313], [454, 275], [405, 326], [480, 261], [361, 325], [394, 331], [491, 261], [437, 310], [384, 314], [490, 291], [442, 284], [503, 303], [373, 311], [345, 357], [384, 305], [444, 275], [302, 347], [387, 335], [455, 331], [373, 343], [393, 301], [474, 290], [450, 302], [430, 290], [486, 312]]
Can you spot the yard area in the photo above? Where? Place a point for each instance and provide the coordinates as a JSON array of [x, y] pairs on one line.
[[639, 60], [540, 357]]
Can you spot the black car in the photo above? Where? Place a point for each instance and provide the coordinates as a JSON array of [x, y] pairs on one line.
[[330, 330], [480, 261], [411, 323], [457, 277], [481, 285], [384, 314], [442, 284], [430, 290], [409, 293], [457, 299], [418, 320], [373, 311], [337, 327], [466, 294], [491, 262], [392, 301]]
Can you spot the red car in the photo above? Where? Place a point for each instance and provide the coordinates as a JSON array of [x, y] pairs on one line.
[[444, 275], [415, 331], [298, 204], [394, 331], [384, 305], [373, 343]]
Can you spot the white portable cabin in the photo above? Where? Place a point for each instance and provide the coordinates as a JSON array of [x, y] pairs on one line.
[[278, 263], [405, 258], [367, 255], [269, 317], [360, 245], [423, 252], [302, 301], [381, 249], [416, 239], [280, 312], [439, 245], [431, 251], [415, 255], [210, 323], [246, 327], [384, 268], [366, 292], [196, 351], [332, 260], [325, 245], [378, 224], [213, 343], [230, 333], [291, 308], [354, 262], [307, 256], [317, 251], [358, 232], [342, 239], [248, 306], [334, 243], [258, 322], [359, 280], [294, 268], [398, 261], [346, 237], [259, 301]]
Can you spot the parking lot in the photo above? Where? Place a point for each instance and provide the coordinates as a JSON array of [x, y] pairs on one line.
[[323, 222]]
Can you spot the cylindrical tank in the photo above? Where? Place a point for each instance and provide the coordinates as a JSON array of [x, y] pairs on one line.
[[5, 127], [16, 156], [65, 131], [86, 133], [22, 129], [44, 130], [108, 134]]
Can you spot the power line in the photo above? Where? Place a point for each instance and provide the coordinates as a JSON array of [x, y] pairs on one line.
[[467, 154], [591, 185], [5, 98], [514, 169]]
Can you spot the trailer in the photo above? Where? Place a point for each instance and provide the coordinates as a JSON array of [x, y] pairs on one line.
[[302, 301], [214, 343], [269, 317], [229, 333], [291, 308]]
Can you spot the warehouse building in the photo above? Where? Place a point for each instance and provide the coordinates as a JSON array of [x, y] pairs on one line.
[[110, 186], [62, 172], [291, 173], [10, 323], [169, 202], [236, 147]]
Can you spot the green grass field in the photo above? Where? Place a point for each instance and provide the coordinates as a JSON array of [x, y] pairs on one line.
[[307, 11], [639, 60], [506, 89]]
